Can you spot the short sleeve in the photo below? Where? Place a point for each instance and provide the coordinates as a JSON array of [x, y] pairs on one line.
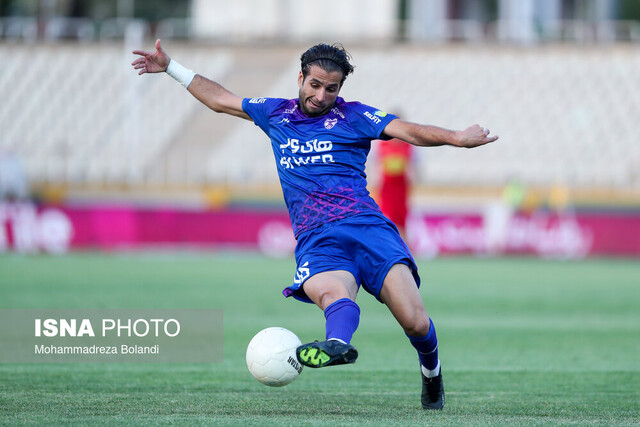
[[368, 120], [260, 109]]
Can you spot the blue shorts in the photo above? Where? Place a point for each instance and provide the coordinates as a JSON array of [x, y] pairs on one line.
[[367, 246]]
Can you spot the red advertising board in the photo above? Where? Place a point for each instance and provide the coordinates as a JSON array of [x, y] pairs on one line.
[[26, 228]]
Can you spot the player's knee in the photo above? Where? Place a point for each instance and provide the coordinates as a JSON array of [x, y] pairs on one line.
[[416, 326], [325, 296], [330, 296], [326, 288]]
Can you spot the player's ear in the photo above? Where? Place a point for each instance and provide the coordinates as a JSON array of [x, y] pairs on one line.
[[300, 79]]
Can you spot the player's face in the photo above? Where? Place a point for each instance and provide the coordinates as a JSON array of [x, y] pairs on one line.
[[318, 91]]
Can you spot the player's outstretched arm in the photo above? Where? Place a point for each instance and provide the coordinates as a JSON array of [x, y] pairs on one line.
[[430, 136], [210, 93]]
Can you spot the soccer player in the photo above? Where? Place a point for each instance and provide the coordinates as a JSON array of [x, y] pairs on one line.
[[320, 143], [395, 158]]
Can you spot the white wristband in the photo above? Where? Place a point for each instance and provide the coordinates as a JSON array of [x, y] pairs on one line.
[[181, 74]]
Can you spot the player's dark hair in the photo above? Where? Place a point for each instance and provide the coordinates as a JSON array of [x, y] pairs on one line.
[[328, 57]]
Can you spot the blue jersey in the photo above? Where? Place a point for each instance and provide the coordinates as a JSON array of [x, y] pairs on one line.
[[320, 160]]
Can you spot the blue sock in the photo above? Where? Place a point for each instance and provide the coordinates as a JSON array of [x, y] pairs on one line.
[[427, 347], [343, 317]]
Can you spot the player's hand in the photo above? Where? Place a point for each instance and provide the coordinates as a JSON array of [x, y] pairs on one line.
[[474, 136], [151, 62]]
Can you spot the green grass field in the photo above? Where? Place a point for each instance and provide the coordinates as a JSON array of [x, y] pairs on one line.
[[522, 342]]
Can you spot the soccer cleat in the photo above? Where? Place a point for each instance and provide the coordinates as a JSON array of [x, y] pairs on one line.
[[432, 392], [326, 353]]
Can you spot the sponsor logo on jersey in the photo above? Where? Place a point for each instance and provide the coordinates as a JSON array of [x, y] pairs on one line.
[[330, 123], [293, 162], [380, 113], [373, 118], [312, 147], [337, 112], [257, 100]]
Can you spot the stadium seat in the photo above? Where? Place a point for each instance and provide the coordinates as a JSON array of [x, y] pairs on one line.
[[564, 113]]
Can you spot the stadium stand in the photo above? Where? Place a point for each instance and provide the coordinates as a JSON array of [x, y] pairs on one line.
[[564, 114], [79, 115]]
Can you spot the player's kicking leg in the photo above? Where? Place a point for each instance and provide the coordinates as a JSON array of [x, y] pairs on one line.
[[334, 292], [400, 293]]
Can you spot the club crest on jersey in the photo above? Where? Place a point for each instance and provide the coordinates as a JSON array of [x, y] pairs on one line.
[[330, 123]]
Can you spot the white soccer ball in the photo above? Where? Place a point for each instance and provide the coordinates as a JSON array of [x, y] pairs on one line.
[[271, 356]]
